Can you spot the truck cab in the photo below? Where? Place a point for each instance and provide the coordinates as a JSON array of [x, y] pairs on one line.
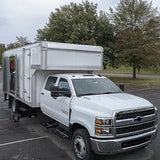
[[100, 117]]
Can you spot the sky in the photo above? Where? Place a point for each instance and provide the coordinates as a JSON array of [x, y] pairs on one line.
[[25, 17]]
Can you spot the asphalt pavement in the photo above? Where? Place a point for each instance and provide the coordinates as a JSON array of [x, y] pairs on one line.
[[29, 140], [153, 95]]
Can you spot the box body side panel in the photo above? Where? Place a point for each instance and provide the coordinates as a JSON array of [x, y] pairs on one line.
[[73, 60]]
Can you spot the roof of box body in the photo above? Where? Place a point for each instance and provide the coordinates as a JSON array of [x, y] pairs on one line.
[[63, 46], [69, 46]]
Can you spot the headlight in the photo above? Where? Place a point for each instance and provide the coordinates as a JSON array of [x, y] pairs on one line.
[[103, 126], [103, 122]]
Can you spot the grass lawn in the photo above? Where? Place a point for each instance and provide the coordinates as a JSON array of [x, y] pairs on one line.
[[128, 70], [136, 82]]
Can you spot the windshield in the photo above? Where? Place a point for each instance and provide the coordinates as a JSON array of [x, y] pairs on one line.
[[94, 86]]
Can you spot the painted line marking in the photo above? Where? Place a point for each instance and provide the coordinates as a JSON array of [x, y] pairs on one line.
[[21, 141]]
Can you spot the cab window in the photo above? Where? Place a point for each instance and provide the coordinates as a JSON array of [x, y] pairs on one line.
[[50, 82], [63, 85]]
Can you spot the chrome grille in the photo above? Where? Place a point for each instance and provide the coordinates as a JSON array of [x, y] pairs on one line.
[[134, 128], [133, 122], [134, 113]]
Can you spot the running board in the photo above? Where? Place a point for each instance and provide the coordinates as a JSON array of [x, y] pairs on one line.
[[61, 134], [49, 124]]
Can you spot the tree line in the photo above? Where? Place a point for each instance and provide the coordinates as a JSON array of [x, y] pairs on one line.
[[129, 33]]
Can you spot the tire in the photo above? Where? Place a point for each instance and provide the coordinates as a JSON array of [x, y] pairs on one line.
[[14, 106], [81, 145]]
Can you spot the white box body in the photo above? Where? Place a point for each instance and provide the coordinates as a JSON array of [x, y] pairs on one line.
[[33, 63]]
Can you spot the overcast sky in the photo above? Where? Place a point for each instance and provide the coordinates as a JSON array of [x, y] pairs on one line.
[[25, 17]]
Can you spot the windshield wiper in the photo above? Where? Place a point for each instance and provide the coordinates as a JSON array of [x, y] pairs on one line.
[[87, 94], [110, 92]]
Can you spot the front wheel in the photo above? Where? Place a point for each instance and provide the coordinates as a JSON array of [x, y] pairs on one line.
[[81, 145]]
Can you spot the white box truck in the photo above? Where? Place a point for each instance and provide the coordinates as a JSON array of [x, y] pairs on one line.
[[58, 79]]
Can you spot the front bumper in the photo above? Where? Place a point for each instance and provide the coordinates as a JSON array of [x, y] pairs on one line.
[[112, 146]]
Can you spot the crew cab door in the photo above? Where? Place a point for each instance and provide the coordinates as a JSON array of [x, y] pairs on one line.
[[56, 107]]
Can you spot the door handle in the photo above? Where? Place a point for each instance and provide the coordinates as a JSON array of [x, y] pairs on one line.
[[42, 93]]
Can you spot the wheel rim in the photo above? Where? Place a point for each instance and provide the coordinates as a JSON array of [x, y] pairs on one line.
[[13, 106], [80, 147]]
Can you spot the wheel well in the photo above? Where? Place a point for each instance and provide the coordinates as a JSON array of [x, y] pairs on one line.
[[76, 126], [10, 102]]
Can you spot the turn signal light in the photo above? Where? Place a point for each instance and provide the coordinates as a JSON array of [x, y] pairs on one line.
[[98, 131]]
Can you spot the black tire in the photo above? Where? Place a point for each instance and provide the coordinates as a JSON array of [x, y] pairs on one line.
[[81, 145]]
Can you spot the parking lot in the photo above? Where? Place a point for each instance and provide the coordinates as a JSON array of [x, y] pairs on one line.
[[29, 140]]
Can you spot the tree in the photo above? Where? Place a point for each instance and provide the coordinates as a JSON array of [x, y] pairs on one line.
[[74, 23], [130, 19], [2, 49], [22, 41], [79, 23], [12, 45], [152, 36], [104, 36]]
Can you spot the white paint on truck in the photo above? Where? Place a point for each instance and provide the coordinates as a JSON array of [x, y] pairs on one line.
[[58, 78]]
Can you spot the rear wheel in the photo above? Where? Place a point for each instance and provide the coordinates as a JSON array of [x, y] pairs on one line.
[[13, 104], [81, 145], [14, 107]]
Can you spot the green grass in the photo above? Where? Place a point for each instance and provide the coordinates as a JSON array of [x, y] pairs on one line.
[[137, 82], [128, 70]]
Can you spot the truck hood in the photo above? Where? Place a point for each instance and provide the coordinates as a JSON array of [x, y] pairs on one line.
[[110, 103]]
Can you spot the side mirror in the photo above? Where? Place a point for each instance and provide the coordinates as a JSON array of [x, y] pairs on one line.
[[67, 94], [54, 91], [121, 86]]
